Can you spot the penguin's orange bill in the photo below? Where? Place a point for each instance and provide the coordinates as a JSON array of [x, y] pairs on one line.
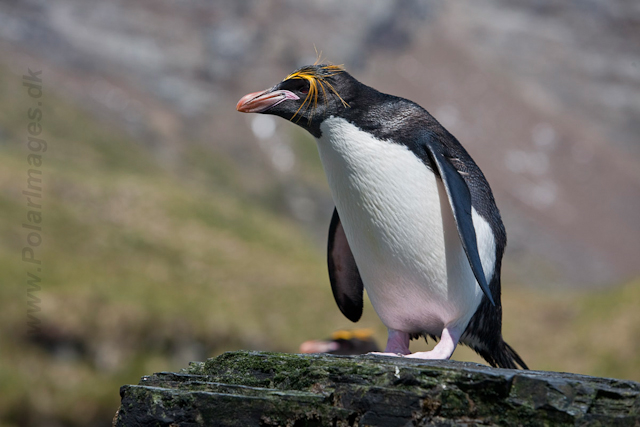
[[257, 102]]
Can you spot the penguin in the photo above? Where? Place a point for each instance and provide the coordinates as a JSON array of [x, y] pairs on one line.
[[415, 222], [343, 342]]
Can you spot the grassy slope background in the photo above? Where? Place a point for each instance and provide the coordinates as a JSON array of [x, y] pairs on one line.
[[146, 267]]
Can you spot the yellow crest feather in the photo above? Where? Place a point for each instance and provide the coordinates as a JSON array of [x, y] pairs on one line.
[[316, 81]]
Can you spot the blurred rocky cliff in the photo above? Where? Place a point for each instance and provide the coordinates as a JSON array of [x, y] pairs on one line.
[[544, 95]]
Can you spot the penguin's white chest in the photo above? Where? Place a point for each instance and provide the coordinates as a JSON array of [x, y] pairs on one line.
[[401, 230]]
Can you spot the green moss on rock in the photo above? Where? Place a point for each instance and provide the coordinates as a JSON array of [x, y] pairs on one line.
[[273, 389]]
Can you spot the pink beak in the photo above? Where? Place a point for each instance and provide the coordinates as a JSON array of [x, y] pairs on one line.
[[257, 102], [318, 346]]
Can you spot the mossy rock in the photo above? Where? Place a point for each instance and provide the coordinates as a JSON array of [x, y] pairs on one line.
[[273, 389]]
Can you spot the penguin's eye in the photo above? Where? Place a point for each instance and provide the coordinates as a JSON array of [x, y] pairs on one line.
[[298, 86], [301, 86]]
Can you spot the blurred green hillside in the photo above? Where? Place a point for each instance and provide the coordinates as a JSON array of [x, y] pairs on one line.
[[147, 266], [144, 268]]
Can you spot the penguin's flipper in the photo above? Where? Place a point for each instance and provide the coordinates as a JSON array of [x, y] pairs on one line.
[[460, 201], [346, 283]]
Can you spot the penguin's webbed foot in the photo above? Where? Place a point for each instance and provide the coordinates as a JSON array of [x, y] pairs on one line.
[[397, 343], [443, 350], [379, 353], [429, 355]]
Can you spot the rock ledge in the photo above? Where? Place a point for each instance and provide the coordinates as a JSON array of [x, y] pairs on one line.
[[273, 389]]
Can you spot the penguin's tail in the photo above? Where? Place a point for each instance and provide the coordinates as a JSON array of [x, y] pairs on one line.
[[502, 356]]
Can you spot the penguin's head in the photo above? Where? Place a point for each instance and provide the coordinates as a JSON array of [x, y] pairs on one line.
[[306, 97]]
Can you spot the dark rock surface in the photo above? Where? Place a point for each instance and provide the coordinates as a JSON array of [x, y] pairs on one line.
[[272, 389]]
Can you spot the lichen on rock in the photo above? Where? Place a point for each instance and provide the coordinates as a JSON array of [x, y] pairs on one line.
[[273, 389]]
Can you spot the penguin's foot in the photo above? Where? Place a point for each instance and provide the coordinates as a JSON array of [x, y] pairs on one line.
[[443, 350], [377, 353], [397, 344], [429, 355]]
